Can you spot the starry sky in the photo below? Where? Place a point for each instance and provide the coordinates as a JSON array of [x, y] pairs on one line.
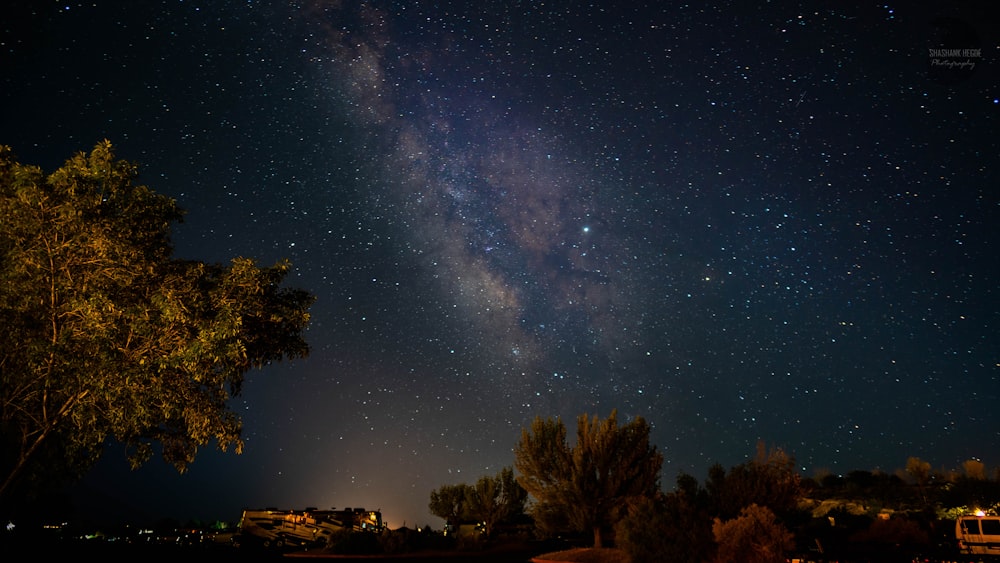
[[742, 223]]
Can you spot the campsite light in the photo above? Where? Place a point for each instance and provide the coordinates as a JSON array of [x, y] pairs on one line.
[[980, 513]]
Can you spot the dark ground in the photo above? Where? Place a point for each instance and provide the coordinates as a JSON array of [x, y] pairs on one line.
[[518, 553], [107, 551]]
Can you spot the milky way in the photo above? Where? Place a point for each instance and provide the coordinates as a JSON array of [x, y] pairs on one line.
[[740, 223]]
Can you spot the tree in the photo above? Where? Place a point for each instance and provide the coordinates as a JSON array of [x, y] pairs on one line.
[[755, 536], [673, 527], [448, 503], [493, 500], [107, 336], [892, 534], [640, 534], [768, 480], [920, 470], [588, 484], [974, 469]]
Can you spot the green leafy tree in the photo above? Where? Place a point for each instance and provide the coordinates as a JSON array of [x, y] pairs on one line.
[[588, 484], [107, 336], [494, 500], [448, 503], [755, 536]]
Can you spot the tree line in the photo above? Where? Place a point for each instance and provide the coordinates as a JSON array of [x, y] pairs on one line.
[[606, 484], [492, 500]]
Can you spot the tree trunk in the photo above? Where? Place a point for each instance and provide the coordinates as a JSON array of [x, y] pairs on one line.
[[597, 537]]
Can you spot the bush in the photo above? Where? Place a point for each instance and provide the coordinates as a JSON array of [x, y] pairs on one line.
[[755, 536], [894, 531], [355, 543], [668, 528], [394, 542], [641, 533], [405, 540], [471, 542]]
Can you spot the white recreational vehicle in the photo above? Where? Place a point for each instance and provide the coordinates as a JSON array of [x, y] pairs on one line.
[[979, 535], [311, 527]]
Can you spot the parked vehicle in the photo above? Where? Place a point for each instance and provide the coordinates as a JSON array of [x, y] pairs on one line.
[[979, 535], [309, 528]]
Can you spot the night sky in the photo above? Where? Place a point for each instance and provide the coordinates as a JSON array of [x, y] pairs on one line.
[[742, 223]]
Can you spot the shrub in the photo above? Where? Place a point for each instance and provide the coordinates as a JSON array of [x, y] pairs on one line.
[[755, 536], [894, 531], [668, 528], [354, 543]]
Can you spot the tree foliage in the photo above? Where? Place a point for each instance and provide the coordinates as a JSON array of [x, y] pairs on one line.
[[673, 527], [920, 470], [494, 500], [448, 503], [974, 469], [755, 536], [678, 526], [892, 532], [770, 480], [587, 485], [107, 336]]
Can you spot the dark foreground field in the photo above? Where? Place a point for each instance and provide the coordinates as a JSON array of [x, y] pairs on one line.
[[104, 552], [520, 552]]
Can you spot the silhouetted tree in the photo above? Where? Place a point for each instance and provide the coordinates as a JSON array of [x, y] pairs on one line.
[[589, 483], [971, 493], [494, 500], [770, 480], [890, 538], [832, 483], [920, 471], [674, 527], [859, 483], [448, 502]]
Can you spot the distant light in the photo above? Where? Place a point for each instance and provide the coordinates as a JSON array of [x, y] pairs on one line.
[[980, 513]]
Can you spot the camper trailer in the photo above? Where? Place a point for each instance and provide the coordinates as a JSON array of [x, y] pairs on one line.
[[978, 535], [309, 528]]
